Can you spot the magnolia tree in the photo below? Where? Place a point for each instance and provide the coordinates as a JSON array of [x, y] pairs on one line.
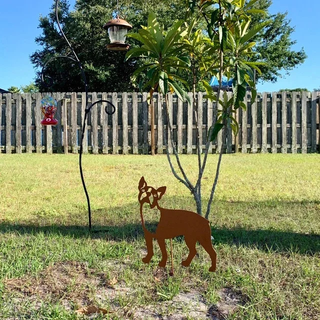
[[223, 48]]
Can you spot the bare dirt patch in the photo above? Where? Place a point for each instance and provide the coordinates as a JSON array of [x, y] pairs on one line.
[[68, 282]]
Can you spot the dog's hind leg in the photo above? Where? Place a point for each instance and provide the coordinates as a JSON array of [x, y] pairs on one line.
[[207, 245]]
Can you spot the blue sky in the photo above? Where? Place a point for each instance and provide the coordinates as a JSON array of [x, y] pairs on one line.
[[19, 28]]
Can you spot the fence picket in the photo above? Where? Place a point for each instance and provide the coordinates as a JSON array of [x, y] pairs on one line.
[[244, 128], [1, 122], [115, 124], [8, 121], [170, 112], [125, 129], [94, 124], [74, 129], [64, 120], [37, 123], [85, 133], [135, 148], [200, 119], [58, 141], [314, 122], [18, 122], [104, 124], [294, 122], [284, 122], [274, 143], [180, 126], [304, 139], [264, 147], [190, 124], [145, 124], [254, 126], [209, 121]]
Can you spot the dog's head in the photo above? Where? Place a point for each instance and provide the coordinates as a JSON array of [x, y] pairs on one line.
[[148, 194]]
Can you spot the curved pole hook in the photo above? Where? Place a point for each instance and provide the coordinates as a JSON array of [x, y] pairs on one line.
[[87, 110]]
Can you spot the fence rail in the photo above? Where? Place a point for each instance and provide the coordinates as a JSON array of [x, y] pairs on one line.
[[275, 122]]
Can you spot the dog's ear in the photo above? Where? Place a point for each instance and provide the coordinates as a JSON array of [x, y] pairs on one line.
[[142, 183], [161, 191]]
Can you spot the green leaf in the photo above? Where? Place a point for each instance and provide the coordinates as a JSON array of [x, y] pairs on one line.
[[149, 41], [136, 52], [140, 69], [182, 95], [251, 3], [253, 94], [240, 75], [172, 36], [214, 16], [211, 95], [252, 32], [239, 3], [214, 133], [163, 82], [256, 11], [239, 92]]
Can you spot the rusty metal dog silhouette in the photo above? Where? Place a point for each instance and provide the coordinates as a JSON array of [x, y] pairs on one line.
[[174, 223]]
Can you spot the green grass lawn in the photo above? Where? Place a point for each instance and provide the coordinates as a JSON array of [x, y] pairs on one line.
[[265, 222]]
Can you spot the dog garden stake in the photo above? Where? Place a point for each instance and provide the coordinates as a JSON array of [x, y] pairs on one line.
[[174, 223]]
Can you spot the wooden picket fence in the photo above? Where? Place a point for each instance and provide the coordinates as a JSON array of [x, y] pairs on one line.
[[275, 122]]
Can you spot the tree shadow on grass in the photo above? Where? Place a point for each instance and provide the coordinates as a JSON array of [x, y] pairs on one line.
[[128, 228], [269, 240]]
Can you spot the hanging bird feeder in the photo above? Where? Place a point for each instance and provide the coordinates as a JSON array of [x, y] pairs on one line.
[[48, 108], [117, 30]]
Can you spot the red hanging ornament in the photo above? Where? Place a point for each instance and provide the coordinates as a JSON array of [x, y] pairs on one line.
[[48, 108]]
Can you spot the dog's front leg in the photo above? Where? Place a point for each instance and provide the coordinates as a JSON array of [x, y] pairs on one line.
[[148, 236], [162, 246]]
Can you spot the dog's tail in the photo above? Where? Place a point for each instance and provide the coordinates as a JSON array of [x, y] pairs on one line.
[[142, 220]]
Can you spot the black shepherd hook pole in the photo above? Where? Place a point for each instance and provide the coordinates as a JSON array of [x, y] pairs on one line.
[[109, 111]]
